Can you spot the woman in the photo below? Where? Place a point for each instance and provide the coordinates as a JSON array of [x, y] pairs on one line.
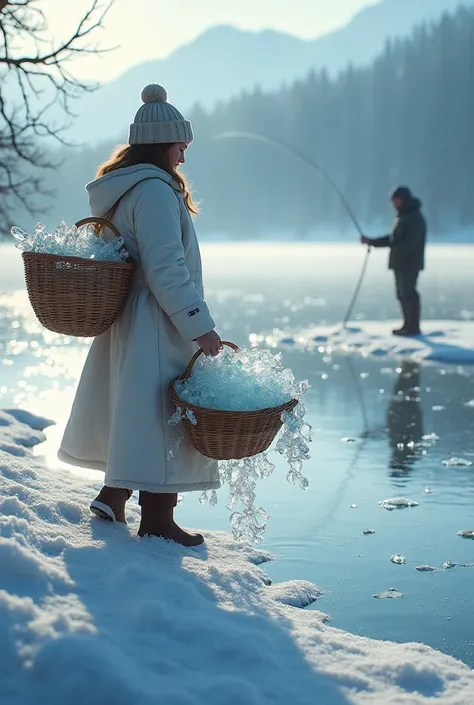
[[119, 419]]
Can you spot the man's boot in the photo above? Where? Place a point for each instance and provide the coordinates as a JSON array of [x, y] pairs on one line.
[[110, 503], [404, 306], [413, 320], [413, 327], [158, 519]]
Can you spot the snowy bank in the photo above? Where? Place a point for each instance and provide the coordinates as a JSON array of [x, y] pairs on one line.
[[88, 612], [442, 341]]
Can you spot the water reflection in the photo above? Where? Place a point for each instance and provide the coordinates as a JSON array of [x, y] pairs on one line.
[[405, 420]]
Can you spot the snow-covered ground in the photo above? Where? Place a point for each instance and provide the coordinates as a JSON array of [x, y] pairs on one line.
[[442, 341], [90, 613]]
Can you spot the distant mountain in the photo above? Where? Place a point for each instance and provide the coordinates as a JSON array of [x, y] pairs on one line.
[[224, 61]]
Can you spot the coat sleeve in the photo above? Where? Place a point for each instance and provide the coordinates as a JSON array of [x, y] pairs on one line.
[[380, 241], [158, 232], [409, 235]]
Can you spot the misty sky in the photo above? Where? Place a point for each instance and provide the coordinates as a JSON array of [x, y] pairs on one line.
[[147, 29]]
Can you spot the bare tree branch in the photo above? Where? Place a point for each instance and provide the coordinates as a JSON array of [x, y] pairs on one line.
[[35, 78]]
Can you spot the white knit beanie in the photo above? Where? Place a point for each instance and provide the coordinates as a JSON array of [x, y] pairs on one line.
[[157, 121]]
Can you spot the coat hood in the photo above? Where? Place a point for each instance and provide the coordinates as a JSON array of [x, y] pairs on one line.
[[105, 191], [413, 204]]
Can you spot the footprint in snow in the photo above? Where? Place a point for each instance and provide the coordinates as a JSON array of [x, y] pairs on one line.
[[70, 511]]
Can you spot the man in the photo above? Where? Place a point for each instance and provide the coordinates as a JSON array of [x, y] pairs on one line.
[[407, 255]]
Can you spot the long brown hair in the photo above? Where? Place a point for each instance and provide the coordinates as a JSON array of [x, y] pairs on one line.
[[156, 154]]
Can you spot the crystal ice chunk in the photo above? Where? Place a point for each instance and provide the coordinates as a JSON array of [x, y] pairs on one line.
[[68, 241]]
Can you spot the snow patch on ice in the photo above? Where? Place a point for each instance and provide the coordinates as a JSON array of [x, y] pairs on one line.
[[21, 431], [441, 342], [89, 611], [39, 423]]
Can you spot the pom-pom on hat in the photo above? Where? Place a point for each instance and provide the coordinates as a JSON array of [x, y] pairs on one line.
[[157, 121]]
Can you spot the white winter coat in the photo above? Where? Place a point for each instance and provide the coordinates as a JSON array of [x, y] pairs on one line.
[[119, 419]]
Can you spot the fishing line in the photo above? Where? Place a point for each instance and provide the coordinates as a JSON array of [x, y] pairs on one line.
[[355, 295], [314, 165]]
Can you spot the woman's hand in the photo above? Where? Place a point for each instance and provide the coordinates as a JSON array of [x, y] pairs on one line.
[[210, 343]]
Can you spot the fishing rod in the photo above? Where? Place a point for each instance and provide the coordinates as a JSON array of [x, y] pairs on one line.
[[314, 165]]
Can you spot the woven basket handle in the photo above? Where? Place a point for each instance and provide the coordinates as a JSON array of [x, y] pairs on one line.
[[98, 221], [189, 368]]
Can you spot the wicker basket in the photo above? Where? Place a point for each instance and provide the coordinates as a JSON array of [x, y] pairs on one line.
[[76, 296], [229, 435]]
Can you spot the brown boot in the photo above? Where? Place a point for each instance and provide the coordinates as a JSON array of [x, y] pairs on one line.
[[110, 503], [158, 520]]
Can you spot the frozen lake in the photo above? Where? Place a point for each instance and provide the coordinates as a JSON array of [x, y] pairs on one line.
[[379, 404]]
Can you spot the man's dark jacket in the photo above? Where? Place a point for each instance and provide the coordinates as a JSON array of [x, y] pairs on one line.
[[407, 239]]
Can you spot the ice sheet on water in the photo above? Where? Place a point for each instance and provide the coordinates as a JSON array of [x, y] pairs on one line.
[[466, 533], [398, 559], [457, 463], [69, 241], [430, 438], [397, 503], [390, 594], [248, 381], [447, 565]]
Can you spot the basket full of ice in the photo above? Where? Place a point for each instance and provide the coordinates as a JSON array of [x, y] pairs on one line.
[[77, 280], [232, 405]]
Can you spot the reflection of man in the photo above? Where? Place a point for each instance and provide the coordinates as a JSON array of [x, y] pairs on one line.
[[407, 255], [405, 419]]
